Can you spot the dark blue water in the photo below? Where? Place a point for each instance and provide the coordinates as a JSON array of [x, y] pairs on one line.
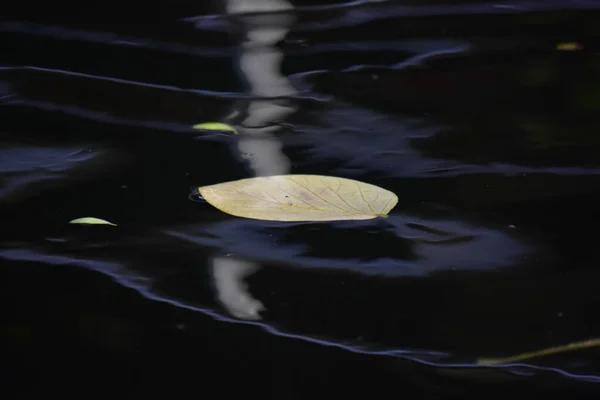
[[482, 117]]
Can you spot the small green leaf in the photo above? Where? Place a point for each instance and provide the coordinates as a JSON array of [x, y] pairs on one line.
[[215, 126], [91, 221]]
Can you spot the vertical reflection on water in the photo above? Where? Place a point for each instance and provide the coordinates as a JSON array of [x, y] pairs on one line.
[[229, 274], [259, 62]]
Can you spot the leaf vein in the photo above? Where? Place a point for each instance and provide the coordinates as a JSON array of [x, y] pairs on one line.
[[275, 202], [340, 197], [362, 195], [386, 204], [326, 201]]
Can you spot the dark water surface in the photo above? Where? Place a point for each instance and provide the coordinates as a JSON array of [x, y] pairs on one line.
[[484, 118]]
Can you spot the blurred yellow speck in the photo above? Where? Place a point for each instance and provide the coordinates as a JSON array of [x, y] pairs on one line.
[[569, 46]]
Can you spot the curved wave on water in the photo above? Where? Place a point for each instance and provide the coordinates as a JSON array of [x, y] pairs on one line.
[[142, 284]]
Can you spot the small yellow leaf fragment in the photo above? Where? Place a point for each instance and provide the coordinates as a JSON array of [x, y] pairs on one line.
[[585, 344], [214, 126], [569, 46], [91, 221], [300, 198]]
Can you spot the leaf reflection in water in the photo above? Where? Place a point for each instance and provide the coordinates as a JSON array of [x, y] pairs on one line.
[[451, 245]]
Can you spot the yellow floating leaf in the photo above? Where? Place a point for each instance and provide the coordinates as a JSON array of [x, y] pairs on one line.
[[569, 46], [214, 126], [585, 344], [300, 198], [91, 221]]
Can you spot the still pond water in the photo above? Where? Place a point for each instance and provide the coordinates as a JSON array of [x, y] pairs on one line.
[[484, 119]]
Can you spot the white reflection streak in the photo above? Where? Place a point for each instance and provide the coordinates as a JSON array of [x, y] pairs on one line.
[[232, 292], [259, 62]]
